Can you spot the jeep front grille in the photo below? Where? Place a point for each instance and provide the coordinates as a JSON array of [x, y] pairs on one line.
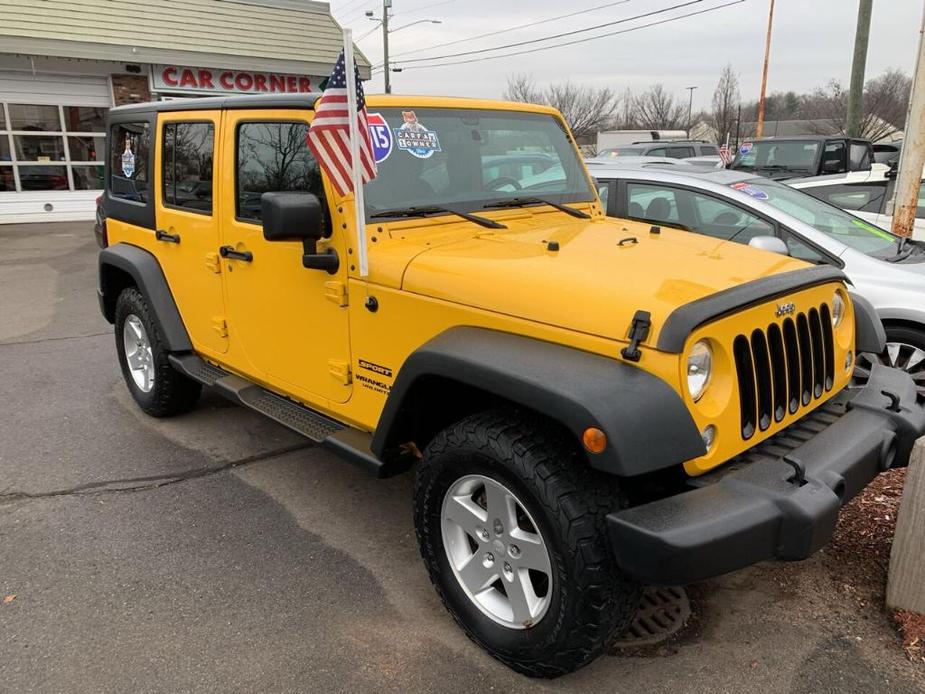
[[784, 368]]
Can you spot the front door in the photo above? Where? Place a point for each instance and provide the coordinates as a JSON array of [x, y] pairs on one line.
[[187, 223], [288, 324]]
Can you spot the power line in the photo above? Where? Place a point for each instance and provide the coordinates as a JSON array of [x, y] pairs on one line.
[[571, 43], [415, 10], [554, 36], [351, 3], [514, 28]]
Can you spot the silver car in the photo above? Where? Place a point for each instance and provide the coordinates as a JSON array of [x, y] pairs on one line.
[[744, 208]]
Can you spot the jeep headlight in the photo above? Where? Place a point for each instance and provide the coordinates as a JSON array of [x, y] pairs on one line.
[[699, 368], [838, 309]]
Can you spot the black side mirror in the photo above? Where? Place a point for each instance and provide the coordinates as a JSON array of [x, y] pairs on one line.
[[291, 216], [298, 217]]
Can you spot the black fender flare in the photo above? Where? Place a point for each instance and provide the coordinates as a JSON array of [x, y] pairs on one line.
[[148, 276], [869, 333], [647, 424]]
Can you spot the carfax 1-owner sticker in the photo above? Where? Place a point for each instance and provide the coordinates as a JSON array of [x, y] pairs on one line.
[[413, 137]]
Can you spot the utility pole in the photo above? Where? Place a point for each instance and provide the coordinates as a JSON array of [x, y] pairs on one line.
[[856, 93], [690, 109], [386, 68], [905, 198], [759, 126]]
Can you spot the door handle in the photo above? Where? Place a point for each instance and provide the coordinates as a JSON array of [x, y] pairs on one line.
[[230, 253], [162, 235]]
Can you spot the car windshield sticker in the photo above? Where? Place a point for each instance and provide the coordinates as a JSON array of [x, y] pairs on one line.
[[754, 191], [381, 136], [128, 159], [413, 137], [871, 229], [745, 148]]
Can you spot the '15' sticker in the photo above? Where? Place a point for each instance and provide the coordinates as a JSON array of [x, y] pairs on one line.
[[381, 136]]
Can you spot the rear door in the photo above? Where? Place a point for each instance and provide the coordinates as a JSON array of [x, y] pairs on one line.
[[187, 231]]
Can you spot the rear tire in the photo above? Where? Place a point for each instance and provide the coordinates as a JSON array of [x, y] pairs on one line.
[[585, 601], [156, 386]]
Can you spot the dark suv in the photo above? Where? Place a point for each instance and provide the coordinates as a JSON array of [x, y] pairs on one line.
[[808, 155]]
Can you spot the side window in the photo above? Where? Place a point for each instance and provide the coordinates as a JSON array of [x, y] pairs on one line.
[[272, 157], [723, 220], [657, 152], [708, 151], [651, 203], [603, 190], [187, 165], [859, 157], [680, 152], [866, 197], [128, 170], [834, 157], [802, 251]]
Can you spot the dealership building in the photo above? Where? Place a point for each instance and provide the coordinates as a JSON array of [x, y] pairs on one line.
[[64, 63]]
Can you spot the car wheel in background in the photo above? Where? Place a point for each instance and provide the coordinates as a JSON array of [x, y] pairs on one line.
[[905, 349]]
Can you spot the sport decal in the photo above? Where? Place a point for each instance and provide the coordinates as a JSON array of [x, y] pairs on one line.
[[414, 138], [381, 136], [744, 187]]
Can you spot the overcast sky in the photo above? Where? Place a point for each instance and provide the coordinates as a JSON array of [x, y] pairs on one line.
[[812, 43]]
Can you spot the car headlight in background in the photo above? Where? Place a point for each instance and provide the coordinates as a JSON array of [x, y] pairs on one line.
[[838, 309], [699, 367]]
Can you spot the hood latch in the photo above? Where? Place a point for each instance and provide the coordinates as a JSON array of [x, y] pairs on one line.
[[638, 332]]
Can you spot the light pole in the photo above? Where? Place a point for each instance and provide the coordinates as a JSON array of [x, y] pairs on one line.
[[759, 126], [690, 109], [386, 68]]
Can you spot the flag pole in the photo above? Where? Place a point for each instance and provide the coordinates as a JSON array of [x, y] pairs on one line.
[[352, 117]]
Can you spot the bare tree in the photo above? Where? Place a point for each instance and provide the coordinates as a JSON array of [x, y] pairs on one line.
[[725, 103], [586, 109], [656, 109], [523, 88]]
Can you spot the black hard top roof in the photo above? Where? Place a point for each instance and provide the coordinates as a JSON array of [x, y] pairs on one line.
[[808, 138], [306, 100]]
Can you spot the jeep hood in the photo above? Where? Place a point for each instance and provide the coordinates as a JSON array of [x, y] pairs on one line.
[[603, 272]]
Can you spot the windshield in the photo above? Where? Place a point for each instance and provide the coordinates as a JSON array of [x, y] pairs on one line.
[[775, 155], [840, 225], [467, 159]]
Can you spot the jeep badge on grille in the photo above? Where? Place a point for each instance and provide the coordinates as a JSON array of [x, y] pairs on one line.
[[785, 309]]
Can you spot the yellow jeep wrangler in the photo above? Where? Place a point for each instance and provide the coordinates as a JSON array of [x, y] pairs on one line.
[[589, 404]]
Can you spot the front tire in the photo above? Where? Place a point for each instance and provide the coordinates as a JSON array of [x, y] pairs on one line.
[[156, 386], [511, 525], [905, 350]]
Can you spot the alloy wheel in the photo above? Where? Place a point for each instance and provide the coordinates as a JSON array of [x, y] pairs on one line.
[[138, 353], [497, 552], [899, 355]]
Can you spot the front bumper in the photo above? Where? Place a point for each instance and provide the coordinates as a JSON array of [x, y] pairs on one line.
[[756, 508]]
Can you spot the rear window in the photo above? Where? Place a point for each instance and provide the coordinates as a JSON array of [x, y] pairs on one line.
[[128, 170]]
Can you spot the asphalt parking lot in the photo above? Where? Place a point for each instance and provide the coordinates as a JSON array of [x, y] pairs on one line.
[[219, 552]]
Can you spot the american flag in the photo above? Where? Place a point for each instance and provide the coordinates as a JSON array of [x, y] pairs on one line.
[[726, 154], [329, 135]]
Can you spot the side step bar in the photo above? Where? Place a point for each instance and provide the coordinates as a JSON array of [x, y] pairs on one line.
[[347, 442]]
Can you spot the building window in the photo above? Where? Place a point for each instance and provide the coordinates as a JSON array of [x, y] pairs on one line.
[[187, 162], [51, 147]]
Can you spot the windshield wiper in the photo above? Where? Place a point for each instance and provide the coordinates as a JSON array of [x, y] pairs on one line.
[[434, 209], [522, 202]]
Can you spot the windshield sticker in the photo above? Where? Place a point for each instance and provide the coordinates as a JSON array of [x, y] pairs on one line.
[[745, 148], [128, 159], [414, 138], [744, 187], [871, 229], [381, 136]]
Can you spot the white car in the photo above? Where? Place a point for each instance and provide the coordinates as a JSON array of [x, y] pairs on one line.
[[864, 193]]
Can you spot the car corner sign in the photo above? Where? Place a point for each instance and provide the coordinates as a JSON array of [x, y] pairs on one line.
[[183, 79]]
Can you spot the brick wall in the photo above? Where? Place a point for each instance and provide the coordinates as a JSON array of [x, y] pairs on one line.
[[130, 89]]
